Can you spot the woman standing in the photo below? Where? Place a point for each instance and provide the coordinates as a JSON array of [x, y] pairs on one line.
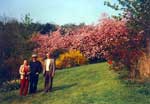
[[24, 78]]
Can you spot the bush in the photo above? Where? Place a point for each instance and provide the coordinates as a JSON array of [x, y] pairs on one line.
[[9, 86], [56, 53], [70, 59], [9, 69]]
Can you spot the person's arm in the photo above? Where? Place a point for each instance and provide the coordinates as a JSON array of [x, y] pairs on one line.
[[28, 70], [44, 68], [21, 70], [39, 70], [54, 68]]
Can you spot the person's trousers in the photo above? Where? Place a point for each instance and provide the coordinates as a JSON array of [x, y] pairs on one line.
[[33, 84], [24, 83], [48, 82]]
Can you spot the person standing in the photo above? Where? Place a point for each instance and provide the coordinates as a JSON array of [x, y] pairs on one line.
[[49, 71], [24, 72], [36, 69]]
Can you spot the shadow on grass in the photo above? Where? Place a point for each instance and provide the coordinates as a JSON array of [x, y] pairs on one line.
[[58, 88], [63, 87], [13, 96], [40, 90], [138, 87], [10, 96]]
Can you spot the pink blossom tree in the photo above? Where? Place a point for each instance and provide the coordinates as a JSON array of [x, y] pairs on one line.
[[109, 39]]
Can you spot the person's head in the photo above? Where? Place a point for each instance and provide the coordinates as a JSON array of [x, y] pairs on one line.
[[48, 55], [25, 62], [34, 57]]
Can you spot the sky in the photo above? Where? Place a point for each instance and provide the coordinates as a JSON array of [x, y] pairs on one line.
[[56, 11]]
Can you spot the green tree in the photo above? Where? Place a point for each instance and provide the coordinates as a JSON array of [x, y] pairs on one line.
[[137, 14], [27, 20], [13, 47]]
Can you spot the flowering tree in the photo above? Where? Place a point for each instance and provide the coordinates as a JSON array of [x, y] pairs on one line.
[[71, 40], [137, 14], [93, 41], [110, 39]]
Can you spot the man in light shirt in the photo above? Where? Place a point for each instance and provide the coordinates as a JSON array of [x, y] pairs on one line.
[[49, 71]]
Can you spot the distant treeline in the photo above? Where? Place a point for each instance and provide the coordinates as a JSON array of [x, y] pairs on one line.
[[16, 44]]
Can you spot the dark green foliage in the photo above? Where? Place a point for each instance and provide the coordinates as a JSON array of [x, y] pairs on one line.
[[16, 44], [57, 52], [68, 28], [47, 28], [12, 50], [137, 15], [96, 60], [9, 86], [137, 12]]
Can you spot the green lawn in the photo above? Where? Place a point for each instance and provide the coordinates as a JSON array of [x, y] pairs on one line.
[[89, 84]]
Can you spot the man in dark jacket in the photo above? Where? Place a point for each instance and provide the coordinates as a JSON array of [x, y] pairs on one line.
[[35, 70]]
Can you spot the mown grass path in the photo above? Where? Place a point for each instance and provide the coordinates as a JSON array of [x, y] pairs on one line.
[[89, 84]]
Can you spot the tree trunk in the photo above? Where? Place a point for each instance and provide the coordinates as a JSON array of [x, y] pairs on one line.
[[144, 65]]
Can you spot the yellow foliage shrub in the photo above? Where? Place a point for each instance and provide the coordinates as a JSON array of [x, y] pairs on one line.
[[70, 59], [144, 66]]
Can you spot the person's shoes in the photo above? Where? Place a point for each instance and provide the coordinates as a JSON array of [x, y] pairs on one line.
[[45, 91], [30, 92], [50, 90]]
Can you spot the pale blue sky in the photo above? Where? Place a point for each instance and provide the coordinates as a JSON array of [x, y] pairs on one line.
[[56, 11]]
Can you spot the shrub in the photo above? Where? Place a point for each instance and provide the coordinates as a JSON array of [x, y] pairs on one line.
[[9, 69], [9, 86], [56, 53], [70, 59]]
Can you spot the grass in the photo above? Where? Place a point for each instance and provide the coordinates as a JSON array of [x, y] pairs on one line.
[[89, 84]]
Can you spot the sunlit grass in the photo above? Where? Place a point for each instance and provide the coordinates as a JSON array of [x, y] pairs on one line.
[[89, 84]]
